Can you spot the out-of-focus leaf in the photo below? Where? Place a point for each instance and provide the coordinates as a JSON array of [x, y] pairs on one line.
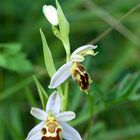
[[11, 48], [98, 93], [2, 126], [134, 97], [75, 98], [16, 119], [2, 61], [124, 133], [12, 58], [18, 63], [123, 84], [30, 97], [13, 89], [130, 85], [12, 122], [98, 128], [82, 116]]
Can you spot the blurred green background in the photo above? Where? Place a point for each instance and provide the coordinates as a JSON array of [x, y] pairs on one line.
[[112, 109]]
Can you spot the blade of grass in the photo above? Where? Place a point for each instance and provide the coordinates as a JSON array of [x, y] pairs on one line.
[[41, 91], [103, 14], [30, 97], [107, 31], [124, 133]]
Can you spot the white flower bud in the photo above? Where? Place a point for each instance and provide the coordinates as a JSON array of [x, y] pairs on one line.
[[50, 13]]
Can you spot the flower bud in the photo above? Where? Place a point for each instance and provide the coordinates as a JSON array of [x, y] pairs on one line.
[[50, 13]]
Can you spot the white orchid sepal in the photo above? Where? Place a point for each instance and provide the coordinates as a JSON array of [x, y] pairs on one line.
[[53, 122], [74, 68]]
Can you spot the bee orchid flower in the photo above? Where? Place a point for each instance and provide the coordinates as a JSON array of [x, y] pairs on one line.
[[53, 124], [75, 69]]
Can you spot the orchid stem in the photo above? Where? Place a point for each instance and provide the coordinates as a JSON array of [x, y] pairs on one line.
[[66, 95], [66, 44]]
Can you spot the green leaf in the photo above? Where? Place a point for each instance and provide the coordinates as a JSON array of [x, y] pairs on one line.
[[11, 48], [2, 61], [11, 119], [47, 56], [123, 84], [120, 134], [11, 91], [83, 115], [41, 91], [98, 127], [12, 58], [15, 116], [29, 96], [130, 85], [99, 93], [63, 24], [3, 129], [75, 99], [18, 63], [134, 97], [49, 59]]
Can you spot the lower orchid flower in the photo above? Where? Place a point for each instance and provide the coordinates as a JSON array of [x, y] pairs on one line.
[[53, 125], [75, 69]]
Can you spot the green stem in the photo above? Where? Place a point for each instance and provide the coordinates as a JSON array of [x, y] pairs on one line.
[[66, 95], [66, 44], [91, 101]]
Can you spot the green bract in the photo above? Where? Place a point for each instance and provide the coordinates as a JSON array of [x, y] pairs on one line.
[[47, 56], [63, 26]]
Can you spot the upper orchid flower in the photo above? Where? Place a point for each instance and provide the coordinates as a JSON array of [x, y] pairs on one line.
[[50, 13], [53, 125], [74, 68]]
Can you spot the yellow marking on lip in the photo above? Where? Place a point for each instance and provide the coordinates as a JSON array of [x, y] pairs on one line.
[[51, 130]]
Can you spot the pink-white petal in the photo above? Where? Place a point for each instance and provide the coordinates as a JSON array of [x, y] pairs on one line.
[[38, 113], [65, 116], [77, 58], [54, 103], [37, 136], [83, 48], [69, 133], [61, 75], [35, 130]]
